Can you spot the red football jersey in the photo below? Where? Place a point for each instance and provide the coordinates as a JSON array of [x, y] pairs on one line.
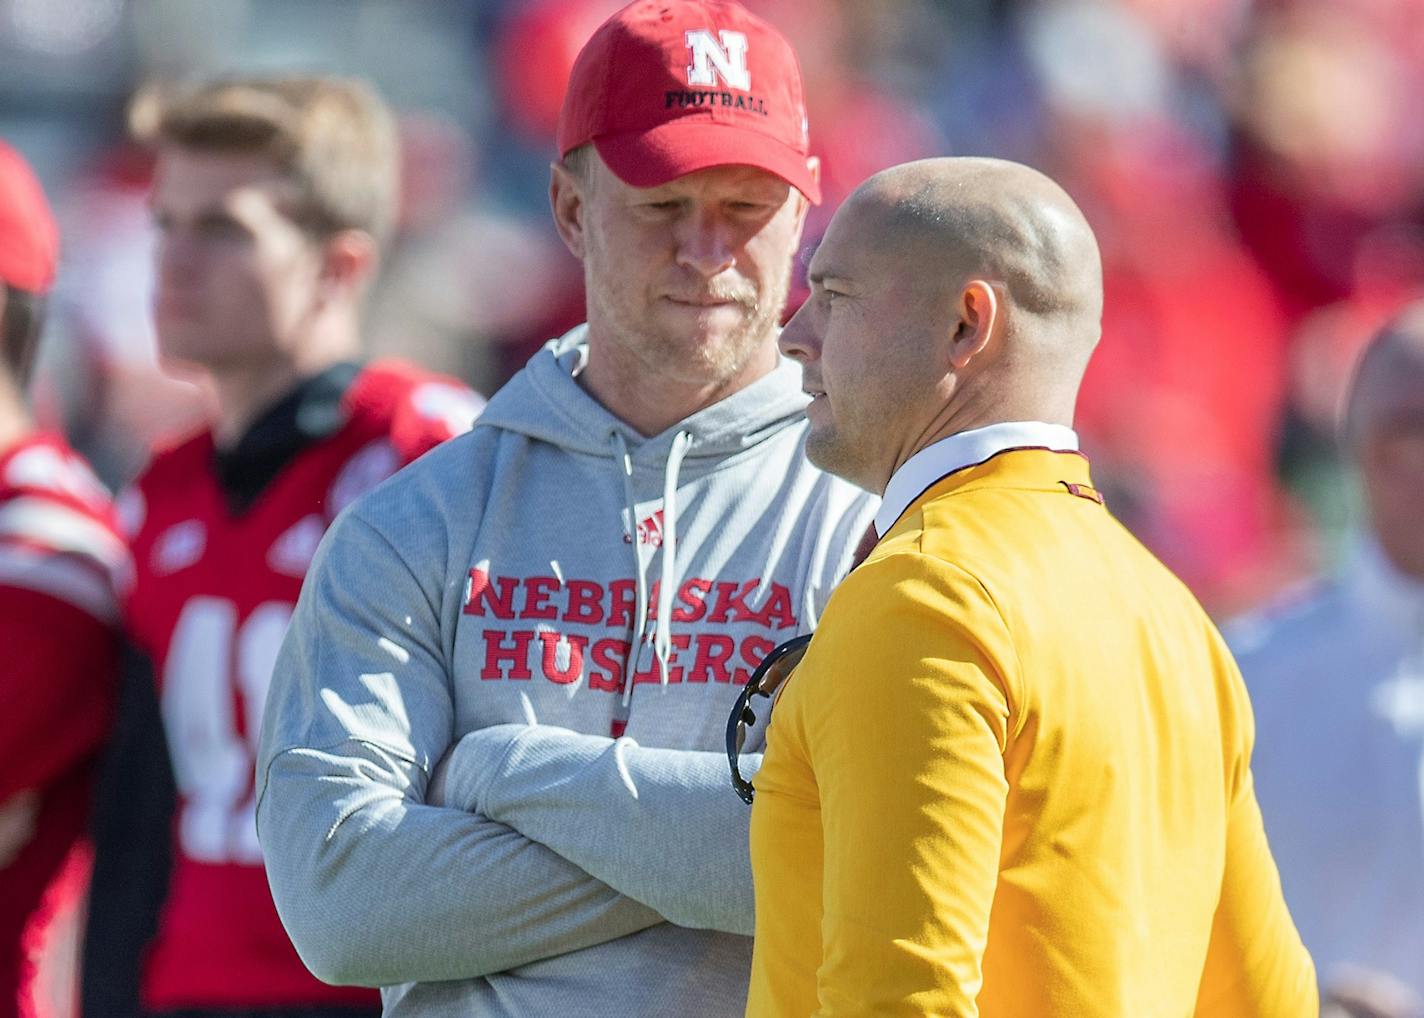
[[217, 574], [61, 557]]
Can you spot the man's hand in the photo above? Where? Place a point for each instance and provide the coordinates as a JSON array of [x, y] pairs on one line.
[[1365, 993]]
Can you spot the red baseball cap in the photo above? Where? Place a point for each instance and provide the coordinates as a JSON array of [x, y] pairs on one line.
[[666, 87], [29, 240]]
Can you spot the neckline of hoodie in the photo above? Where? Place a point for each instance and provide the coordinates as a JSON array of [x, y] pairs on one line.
[[776, 397]]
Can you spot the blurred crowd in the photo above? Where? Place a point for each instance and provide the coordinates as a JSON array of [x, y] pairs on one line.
[[1254, 169]]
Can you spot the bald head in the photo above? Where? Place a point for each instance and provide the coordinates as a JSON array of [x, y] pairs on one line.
[[1385, 437], [1389, 379], [1000, 220], [947, 294]]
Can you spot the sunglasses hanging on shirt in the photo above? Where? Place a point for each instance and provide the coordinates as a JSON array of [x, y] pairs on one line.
[[774, 669]]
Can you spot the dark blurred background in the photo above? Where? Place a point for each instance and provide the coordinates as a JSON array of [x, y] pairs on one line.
[[1254, 170]]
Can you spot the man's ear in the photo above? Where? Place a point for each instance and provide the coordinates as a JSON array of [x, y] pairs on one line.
[[566, 199], [803, 204], [813, 163], [349, 259], [978, 310]]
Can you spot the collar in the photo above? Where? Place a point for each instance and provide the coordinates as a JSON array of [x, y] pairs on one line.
[[1390, 596], [309, 412], [966, 449]]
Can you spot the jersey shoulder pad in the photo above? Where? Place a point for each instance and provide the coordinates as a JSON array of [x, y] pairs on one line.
[[58, 531], [417, 409], [45, 466]]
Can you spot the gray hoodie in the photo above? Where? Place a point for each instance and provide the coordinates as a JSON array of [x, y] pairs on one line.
[[462, 796]]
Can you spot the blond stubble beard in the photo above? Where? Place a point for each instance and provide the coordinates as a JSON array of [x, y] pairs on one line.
[[706, 363]]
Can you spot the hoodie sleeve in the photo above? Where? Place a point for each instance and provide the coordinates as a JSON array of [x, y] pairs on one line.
[[374, 886], [662, 826]]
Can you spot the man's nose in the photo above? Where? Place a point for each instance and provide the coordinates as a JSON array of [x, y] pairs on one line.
[[177, 256], [797, 340], [706, 244]]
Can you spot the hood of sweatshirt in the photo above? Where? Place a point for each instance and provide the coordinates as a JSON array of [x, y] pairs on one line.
[[546, 402]]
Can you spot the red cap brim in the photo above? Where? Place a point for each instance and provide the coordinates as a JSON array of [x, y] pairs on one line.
[[29, 240], [655, 156]]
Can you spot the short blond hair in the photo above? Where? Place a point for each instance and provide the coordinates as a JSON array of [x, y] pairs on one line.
[[334, 137]]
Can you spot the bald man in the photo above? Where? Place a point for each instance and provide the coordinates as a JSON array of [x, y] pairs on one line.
[[1337, 676], [1011, 775]]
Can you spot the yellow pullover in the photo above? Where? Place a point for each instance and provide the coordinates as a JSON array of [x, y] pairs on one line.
[[1011, 778]]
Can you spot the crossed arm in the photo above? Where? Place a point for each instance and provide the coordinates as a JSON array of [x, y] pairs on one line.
[[662, 826], [375, 886], [542, 841]]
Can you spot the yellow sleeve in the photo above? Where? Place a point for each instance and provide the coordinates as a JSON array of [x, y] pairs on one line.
[[1255, 963], [906, 733]]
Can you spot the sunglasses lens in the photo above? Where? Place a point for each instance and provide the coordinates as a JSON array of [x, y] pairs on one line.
[[782, 668], [765, 681]]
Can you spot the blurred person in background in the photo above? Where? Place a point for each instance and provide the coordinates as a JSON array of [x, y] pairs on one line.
[[101, 373], [1336, 675], [491, 767], [271, 198], [60, 558], [1325, 150]]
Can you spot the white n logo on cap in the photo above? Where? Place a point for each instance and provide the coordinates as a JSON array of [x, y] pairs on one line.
[[710, 59]]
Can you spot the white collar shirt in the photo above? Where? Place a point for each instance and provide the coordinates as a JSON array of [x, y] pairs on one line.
[[966, 449]]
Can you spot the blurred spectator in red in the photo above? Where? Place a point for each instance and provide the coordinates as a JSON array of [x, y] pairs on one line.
[[1329, 146], [1181, 402], [860, 122], [60, 558], [102, 377], [1187, 386], [533, 57], [1329, 191]]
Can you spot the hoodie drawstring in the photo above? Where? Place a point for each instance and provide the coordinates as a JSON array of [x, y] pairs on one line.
[[620, 452], [662, 639]]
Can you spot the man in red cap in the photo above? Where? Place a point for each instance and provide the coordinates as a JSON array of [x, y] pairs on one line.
[[60, 557], [490, 777]]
